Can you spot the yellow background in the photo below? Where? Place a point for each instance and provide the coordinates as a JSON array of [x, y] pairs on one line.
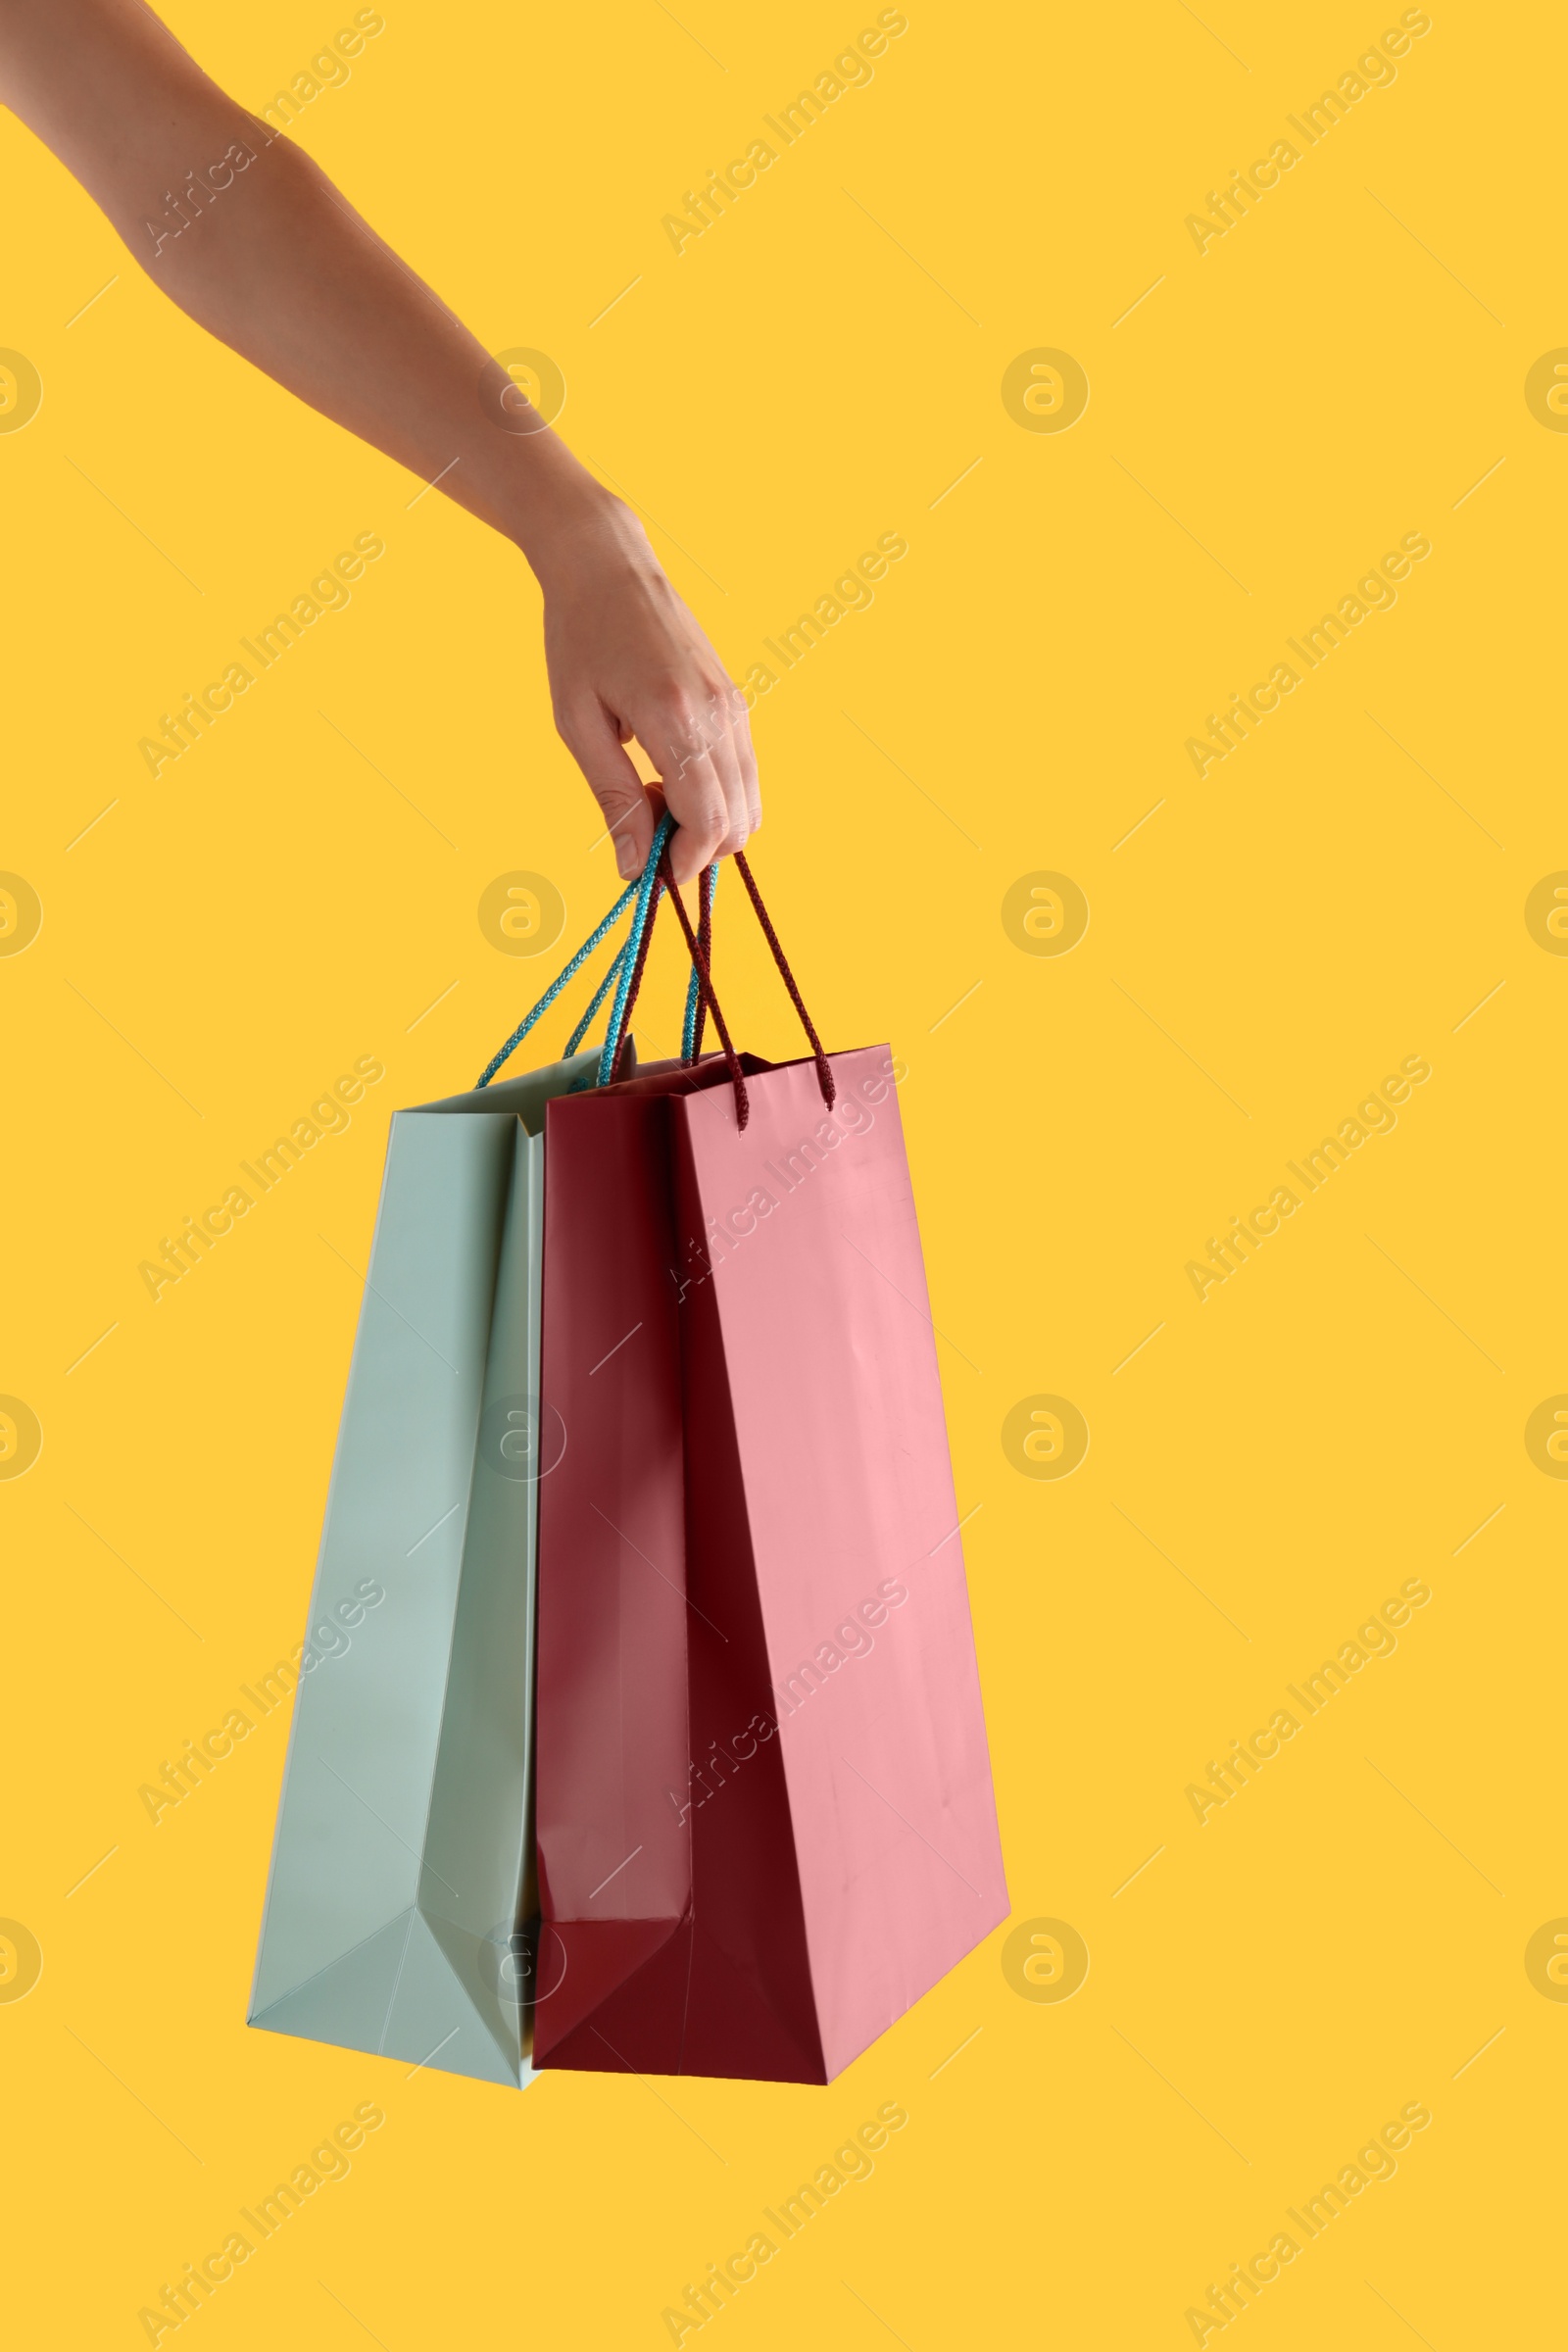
[[1339, 893]]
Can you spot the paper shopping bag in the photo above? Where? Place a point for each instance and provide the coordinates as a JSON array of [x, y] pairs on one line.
[[402, 1870], [764, 1815]]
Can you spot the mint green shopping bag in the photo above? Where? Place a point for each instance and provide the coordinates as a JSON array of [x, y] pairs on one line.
[[402, 1887], [404, 1850]]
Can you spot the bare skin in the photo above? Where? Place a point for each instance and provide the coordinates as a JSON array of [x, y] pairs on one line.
[[277, 265]]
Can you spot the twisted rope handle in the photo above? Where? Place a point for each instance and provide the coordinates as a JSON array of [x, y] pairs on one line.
[[825, 1076], [691, 1038], [627, 974], [574, 1041], [638, 963], [636, 952], [559, 983], [636, 895], [698, 947], [699, 956]]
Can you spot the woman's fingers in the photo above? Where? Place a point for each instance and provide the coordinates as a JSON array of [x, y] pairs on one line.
[[696, 798], [729, 715], [714, 751], [594, 741], [747, 761], [688, 744]]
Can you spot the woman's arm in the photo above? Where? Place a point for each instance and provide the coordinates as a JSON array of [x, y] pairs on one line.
[[254, 242]]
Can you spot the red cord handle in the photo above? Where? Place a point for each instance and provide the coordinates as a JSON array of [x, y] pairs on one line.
[[698, 947], [699, 955], [637, 978], [704, 933], [825, 1076]]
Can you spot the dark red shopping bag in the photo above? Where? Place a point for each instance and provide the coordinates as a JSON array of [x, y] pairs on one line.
[[764, 1815]]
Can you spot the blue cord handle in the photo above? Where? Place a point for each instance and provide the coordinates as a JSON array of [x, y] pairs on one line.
[[637, 894], [574, 1041], [647, 898], [557, 985], [694, 986]]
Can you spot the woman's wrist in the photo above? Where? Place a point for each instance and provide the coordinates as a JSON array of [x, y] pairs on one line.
[[552, 508]]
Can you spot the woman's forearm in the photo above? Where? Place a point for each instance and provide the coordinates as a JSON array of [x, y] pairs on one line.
[[243, 231], [248, 237]]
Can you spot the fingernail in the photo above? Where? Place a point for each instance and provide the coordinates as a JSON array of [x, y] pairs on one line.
[[627, 859]]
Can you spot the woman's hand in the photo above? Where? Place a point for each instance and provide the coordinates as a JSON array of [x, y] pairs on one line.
[[626, 659]]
